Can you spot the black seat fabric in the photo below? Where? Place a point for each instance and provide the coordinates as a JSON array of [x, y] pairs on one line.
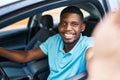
[[46, 21], [90, 25], [37, 67], [45, 32]]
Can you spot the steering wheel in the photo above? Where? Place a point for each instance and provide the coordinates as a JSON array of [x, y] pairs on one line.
[[3, 75]]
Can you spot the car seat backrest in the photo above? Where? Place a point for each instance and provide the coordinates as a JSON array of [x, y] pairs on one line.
[[46, 21], [45, 32], [36, 67], [90, 25]]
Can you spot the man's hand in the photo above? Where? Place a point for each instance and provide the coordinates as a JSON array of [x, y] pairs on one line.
[[105, 63]]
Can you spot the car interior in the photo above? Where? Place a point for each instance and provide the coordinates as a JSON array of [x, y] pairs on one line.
[[42, 26], [27, 70]]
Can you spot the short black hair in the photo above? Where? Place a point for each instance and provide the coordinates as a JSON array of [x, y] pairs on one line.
[[72, 9]]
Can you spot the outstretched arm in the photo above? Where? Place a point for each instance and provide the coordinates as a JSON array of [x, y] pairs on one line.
[[22, 56], [105, 63]]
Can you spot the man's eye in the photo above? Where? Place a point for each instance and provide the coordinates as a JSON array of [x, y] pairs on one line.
[[75, 24], [63, 24]]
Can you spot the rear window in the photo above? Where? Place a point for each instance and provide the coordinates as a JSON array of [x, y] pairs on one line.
[[16, 26], [55, 13]]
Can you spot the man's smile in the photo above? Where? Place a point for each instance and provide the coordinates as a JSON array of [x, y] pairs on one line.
[[68, 35]]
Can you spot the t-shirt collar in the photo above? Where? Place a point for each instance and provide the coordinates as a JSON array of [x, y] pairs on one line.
[[72, 50]]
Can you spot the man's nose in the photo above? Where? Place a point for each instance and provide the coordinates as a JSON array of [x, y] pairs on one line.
[[68, 27]]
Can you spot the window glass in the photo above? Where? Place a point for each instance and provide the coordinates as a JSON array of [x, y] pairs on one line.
[[16, 26], [56, 14], [85, 13]]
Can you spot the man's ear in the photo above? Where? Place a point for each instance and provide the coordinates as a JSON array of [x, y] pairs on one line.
[[83, 26]]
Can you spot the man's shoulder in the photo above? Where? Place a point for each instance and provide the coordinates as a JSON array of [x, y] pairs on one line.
[[56, 36], [88, 42], [88, 38]]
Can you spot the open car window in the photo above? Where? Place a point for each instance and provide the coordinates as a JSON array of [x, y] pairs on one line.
[[22, 24], [55, 13]]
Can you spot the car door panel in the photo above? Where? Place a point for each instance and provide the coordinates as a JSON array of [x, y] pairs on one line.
[[14, 39]]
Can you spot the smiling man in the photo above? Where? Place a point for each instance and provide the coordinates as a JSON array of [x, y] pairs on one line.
[[66, 51]]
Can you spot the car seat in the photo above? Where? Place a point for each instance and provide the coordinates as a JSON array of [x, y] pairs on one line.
[[37, 68], [90, 25], [46, 24]]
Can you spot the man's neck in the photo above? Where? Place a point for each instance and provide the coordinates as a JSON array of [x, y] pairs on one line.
[[68, 47]]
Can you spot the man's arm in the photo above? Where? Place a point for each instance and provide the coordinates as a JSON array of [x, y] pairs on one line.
[[89, 57], [105, 63], [22, 56], [89, 54]]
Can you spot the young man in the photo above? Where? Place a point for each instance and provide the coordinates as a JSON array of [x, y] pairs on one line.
[[105, 62], [66, 51]]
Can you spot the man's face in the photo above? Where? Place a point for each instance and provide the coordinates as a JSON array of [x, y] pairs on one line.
[[70, 27]]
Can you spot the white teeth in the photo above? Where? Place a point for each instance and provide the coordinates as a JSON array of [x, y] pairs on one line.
[[68, 35]]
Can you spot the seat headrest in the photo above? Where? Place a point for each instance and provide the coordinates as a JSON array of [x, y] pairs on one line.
[[47, 21]]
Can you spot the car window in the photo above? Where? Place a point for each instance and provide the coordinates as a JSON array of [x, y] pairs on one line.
[[22, 24], [55, 13]]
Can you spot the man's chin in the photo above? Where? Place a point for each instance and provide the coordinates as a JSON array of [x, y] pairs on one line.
[[68, 42]]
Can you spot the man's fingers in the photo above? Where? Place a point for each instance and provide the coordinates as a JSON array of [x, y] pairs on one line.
[[107, 34]]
